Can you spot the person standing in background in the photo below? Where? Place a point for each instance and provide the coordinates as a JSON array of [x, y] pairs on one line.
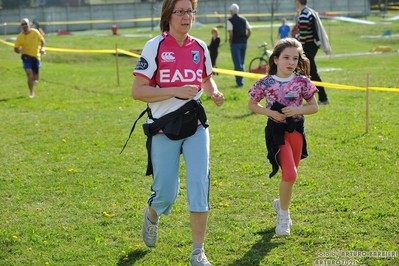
[[239, 33], [30, 44], [283, 30], [307, 35], [294, 31], [213, 47]]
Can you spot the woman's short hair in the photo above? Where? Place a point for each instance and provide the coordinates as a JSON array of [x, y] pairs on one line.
[[166, 13]]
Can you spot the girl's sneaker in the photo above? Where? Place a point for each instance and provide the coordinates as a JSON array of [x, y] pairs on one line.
[[283, 224], [284, 221], [276, 205]]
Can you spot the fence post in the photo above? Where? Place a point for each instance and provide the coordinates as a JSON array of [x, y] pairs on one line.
[[117, 64], [367, 102]]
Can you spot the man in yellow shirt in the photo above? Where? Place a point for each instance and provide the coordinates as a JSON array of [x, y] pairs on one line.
[[30, 44]]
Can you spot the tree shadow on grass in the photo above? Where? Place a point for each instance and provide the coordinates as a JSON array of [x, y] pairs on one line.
[[131, 257], [238, 116], [19, 97], [258, 251], [241, 116]]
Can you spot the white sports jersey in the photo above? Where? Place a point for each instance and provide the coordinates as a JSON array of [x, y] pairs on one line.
[[166, 64]]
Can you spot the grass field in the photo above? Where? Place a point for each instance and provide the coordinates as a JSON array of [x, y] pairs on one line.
[[69, 198]]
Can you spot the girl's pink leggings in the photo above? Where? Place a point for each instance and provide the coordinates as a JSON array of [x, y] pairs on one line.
[[290, 155]]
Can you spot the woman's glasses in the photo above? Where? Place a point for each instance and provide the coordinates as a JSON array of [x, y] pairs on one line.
[[182, 12]]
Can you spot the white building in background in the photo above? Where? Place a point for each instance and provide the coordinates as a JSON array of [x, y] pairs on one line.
[[99, 2], [101, 14]]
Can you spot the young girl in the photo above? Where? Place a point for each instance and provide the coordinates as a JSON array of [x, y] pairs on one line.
[[285, 87], [213, 47]]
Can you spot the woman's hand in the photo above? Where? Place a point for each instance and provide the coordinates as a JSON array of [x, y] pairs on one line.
[[218, 98], [187, 91]]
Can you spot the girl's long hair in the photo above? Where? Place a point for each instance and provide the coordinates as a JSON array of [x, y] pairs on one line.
[[303, 66], [166, 13]]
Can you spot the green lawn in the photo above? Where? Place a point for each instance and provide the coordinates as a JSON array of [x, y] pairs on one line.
[[69, 198]]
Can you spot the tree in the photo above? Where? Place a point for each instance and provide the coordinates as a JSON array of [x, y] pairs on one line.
[[15, 3], [272, 7]]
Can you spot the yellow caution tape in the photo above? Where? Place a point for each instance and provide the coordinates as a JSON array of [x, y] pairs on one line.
[[128, 53], [218, 70], [80, 51]]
